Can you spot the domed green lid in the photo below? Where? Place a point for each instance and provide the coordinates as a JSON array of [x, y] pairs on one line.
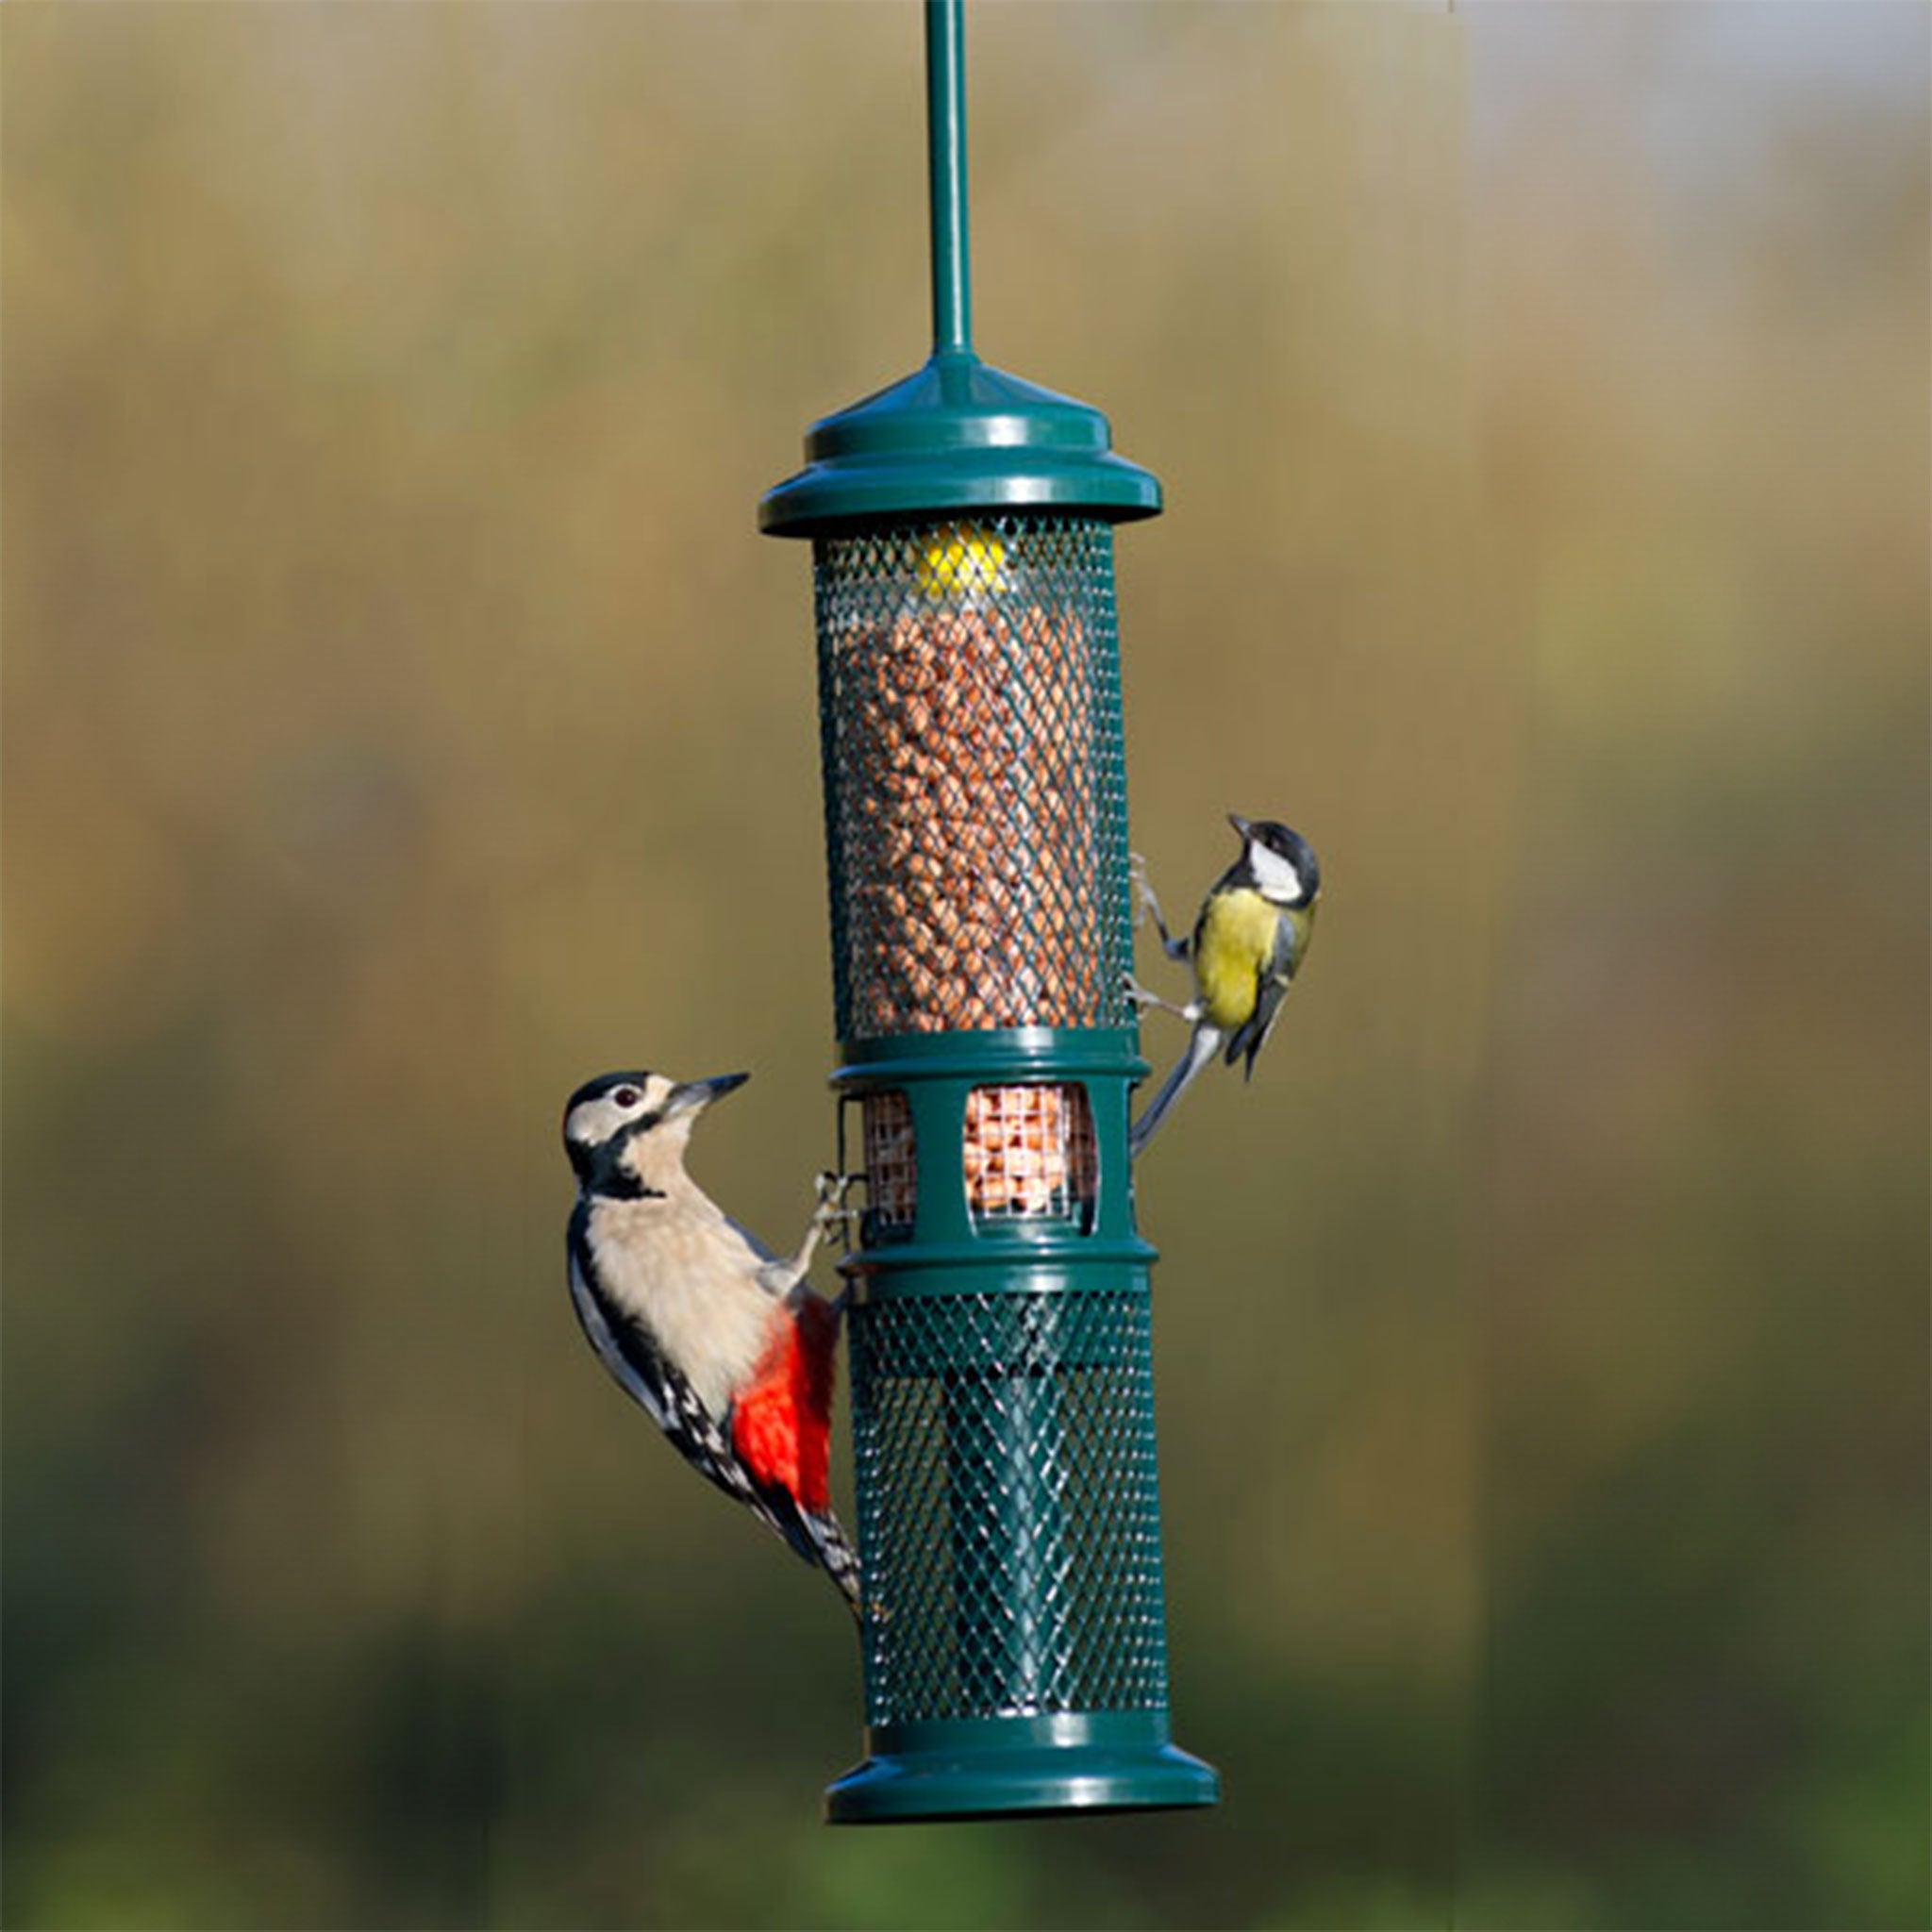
[[957, 434]]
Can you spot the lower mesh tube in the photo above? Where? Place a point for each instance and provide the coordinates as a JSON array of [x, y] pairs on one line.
[[1005, 1447], [1010, 1515]]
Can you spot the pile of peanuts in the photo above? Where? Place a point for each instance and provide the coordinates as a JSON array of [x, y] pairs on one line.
[[1028, 1151], [971, 826]]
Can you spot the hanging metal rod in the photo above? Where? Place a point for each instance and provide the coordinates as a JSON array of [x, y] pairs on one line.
[[945, 129]]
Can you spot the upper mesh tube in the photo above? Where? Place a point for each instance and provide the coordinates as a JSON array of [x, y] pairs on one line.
[[973, 769]]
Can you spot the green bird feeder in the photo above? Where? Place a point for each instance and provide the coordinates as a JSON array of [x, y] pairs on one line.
[[1009, 1519]]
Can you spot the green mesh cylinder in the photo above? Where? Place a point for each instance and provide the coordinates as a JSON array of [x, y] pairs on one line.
[[1008, 1508], [1011, 1433], [976, 790]]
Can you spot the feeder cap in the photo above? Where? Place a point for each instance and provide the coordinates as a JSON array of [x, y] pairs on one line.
[[957, 434]]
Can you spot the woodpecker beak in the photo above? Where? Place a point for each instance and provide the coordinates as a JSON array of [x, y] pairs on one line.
[[1244, 827], [694, 1094]]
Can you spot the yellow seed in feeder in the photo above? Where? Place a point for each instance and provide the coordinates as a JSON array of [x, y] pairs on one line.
[[962, 557]]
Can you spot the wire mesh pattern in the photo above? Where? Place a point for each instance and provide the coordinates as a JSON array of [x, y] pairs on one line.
[[1029, 1153], [1009, 1504], [891, 1164], [968, 679]]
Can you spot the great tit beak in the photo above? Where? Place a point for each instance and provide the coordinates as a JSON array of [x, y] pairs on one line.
[[693, 1095], [1243, 827]]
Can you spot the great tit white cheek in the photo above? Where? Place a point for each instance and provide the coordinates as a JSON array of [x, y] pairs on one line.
[[1274, 874]]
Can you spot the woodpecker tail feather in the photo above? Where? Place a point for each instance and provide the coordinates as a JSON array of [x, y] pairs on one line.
[[836, 1556], [1201, 1049], [814, 1535]]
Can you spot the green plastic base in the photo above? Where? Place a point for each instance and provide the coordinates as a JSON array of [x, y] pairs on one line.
[[1019, 1766]]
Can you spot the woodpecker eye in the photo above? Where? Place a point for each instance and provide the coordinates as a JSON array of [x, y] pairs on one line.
[[626, 1096]]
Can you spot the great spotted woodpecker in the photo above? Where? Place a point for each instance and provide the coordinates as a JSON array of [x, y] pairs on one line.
[[726, 1346]]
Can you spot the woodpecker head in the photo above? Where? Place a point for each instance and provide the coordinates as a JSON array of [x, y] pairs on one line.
[[625, 1133], [1278, 863]]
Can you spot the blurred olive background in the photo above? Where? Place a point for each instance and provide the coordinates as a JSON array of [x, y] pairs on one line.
[[404, 722]]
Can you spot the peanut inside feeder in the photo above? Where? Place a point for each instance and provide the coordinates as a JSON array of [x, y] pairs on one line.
[[965, 716], [1027, 1152]]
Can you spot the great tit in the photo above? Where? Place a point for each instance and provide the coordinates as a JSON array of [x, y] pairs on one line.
[[1248, 941]]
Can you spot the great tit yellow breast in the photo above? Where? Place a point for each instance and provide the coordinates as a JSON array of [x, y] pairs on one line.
[[1233, 945]]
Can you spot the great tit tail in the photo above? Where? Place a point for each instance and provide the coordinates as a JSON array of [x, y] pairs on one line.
[[1202, 1048]]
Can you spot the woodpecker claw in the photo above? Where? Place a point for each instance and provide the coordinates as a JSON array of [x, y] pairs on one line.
[[833, 1186], [833, 1215]]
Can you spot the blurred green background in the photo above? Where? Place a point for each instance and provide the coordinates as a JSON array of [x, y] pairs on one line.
[[404, 722]]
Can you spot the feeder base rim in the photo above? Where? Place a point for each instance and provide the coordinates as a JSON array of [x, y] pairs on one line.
[[1020, 1766]]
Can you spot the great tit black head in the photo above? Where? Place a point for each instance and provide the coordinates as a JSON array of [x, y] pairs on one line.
[[1279, 862]]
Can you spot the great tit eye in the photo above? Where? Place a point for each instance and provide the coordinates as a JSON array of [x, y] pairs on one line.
[[626, 1096]]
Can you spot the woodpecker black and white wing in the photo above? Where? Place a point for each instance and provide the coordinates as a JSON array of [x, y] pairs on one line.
[[639, 1368]]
